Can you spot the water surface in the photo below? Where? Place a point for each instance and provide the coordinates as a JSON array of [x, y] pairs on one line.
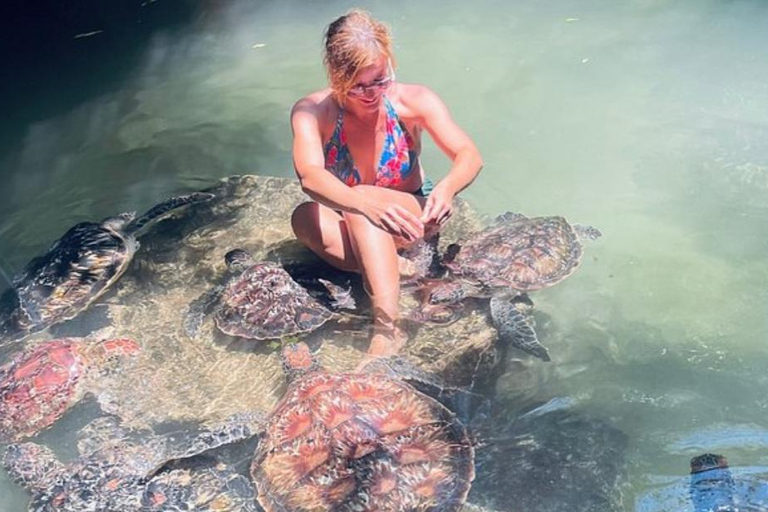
[[646, 119]]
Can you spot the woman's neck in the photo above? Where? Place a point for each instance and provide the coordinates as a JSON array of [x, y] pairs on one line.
[[363, 117]]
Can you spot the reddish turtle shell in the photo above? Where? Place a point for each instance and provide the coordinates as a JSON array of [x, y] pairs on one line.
[[264, 302], [357, 442], [40, 384]]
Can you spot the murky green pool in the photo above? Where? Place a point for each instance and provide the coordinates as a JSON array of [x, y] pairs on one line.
[[645, 118]]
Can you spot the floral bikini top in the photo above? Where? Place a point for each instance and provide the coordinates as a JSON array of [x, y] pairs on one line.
[[398, 161]]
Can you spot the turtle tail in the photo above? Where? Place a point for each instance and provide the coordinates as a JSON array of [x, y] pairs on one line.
[[162, 210]]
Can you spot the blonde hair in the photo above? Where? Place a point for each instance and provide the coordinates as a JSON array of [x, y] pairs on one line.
[[352, 42]]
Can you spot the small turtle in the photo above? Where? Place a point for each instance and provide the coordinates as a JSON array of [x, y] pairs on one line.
[[77, 269], [116, 473], [513, 256], [41, 383], [360, 442], [262, 301]]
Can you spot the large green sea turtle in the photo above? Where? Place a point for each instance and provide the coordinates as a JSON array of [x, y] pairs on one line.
[[513, 256], [116, 472], [77, 269], [41, 383], [262, 301], [360, 442]]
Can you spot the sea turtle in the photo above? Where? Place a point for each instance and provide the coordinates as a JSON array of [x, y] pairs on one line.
[[262, 301], [711, 487], [360, 442], [553, 457], [116, 472], [513, 256], [200, 485], [39, 384], [77, 269]]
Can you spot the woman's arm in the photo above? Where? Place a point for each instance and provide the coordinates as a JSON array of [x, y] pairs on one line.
[[326, 189], [451, 139]]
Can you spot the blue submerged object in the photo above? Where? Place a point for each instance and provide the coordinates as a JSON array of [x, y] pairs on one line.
[[711, 487]]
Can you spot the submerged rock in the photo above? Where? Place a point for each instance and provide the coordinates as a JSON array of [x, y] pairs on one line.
[[215, 375]]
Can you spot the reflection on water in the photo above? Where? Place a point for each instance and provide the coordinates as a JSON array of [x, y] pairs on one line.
[[644, 119]]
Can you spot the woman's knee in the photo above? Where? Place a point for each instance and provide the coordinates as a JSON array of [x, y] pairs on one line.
[[304, 221]]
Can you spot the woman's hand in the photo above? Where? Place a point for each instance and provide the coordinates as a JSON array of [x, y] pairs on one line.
[[393, 219], [439, 206]]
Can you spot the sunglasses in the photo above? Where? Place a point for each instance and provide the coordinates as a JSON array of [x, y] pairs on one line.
[[374, 87]]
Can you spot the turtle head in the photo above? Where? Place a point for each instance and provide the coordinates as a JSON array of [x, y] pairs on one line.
[[118, 222], [449, 292], [33, 466], [298, 360], [238, 260]]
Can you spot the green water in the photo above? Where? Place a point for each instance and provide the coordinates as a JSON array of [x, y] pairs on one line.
[[647, 119]]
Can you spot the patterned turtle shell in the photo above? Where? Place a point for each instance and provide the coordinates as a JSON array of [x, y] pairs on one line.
[[264, 302], [77, 269], [362, 442], [521, 253], [40, 384]]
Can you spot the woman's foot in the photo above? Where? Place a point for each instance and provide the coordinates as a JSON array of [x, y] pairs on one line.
[[386, 341]]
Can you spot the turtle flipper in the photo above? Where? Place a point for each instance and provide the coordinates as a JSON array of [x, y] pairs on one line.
[[420, 260], [514, 327], [198, 308], [585, 232], [341, 297], [159, 211]]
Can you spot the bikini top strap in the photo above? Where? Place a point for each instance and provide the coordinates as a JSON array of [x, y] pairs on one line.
[[337, 129]]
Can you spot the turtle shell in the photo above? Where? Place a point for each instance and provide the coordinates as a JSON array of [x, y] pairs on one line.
[[40, 384], [216, 487], [264, 302], [341, 442], [523, 254], [74, 272]]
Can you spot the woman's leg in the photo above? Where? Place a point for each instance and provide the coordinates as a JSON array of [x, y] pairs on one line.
[[350, 242], [375, 251], [324, 232]]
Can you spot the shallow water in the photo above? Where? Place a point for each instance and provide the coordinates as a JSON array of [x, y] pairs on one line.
[[645, 119]]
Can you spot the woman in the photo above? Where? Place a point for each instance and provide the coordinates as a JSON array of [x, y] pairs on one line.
[[356, 152]]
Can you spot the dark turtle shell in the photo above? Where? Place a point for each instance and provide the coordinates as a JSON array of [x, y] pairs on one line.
[[354, 442], [202, 487], [264, 302], [77, 269], [74, 272], [519, 253], [40, 384]]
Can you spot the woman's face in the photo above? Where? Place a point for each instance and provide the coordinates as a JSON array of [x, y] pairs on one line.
[[370, 84]]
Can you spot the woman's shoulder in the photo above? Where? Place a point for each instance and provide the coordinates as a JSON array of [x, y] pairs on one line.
[[415, 100], [319, 104]]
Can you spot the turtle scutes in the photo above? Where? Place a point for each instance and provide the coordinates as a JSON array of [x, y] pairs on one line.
[[77, 269], [261, 301], [515, 255], [359, 442], [41, 383]]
